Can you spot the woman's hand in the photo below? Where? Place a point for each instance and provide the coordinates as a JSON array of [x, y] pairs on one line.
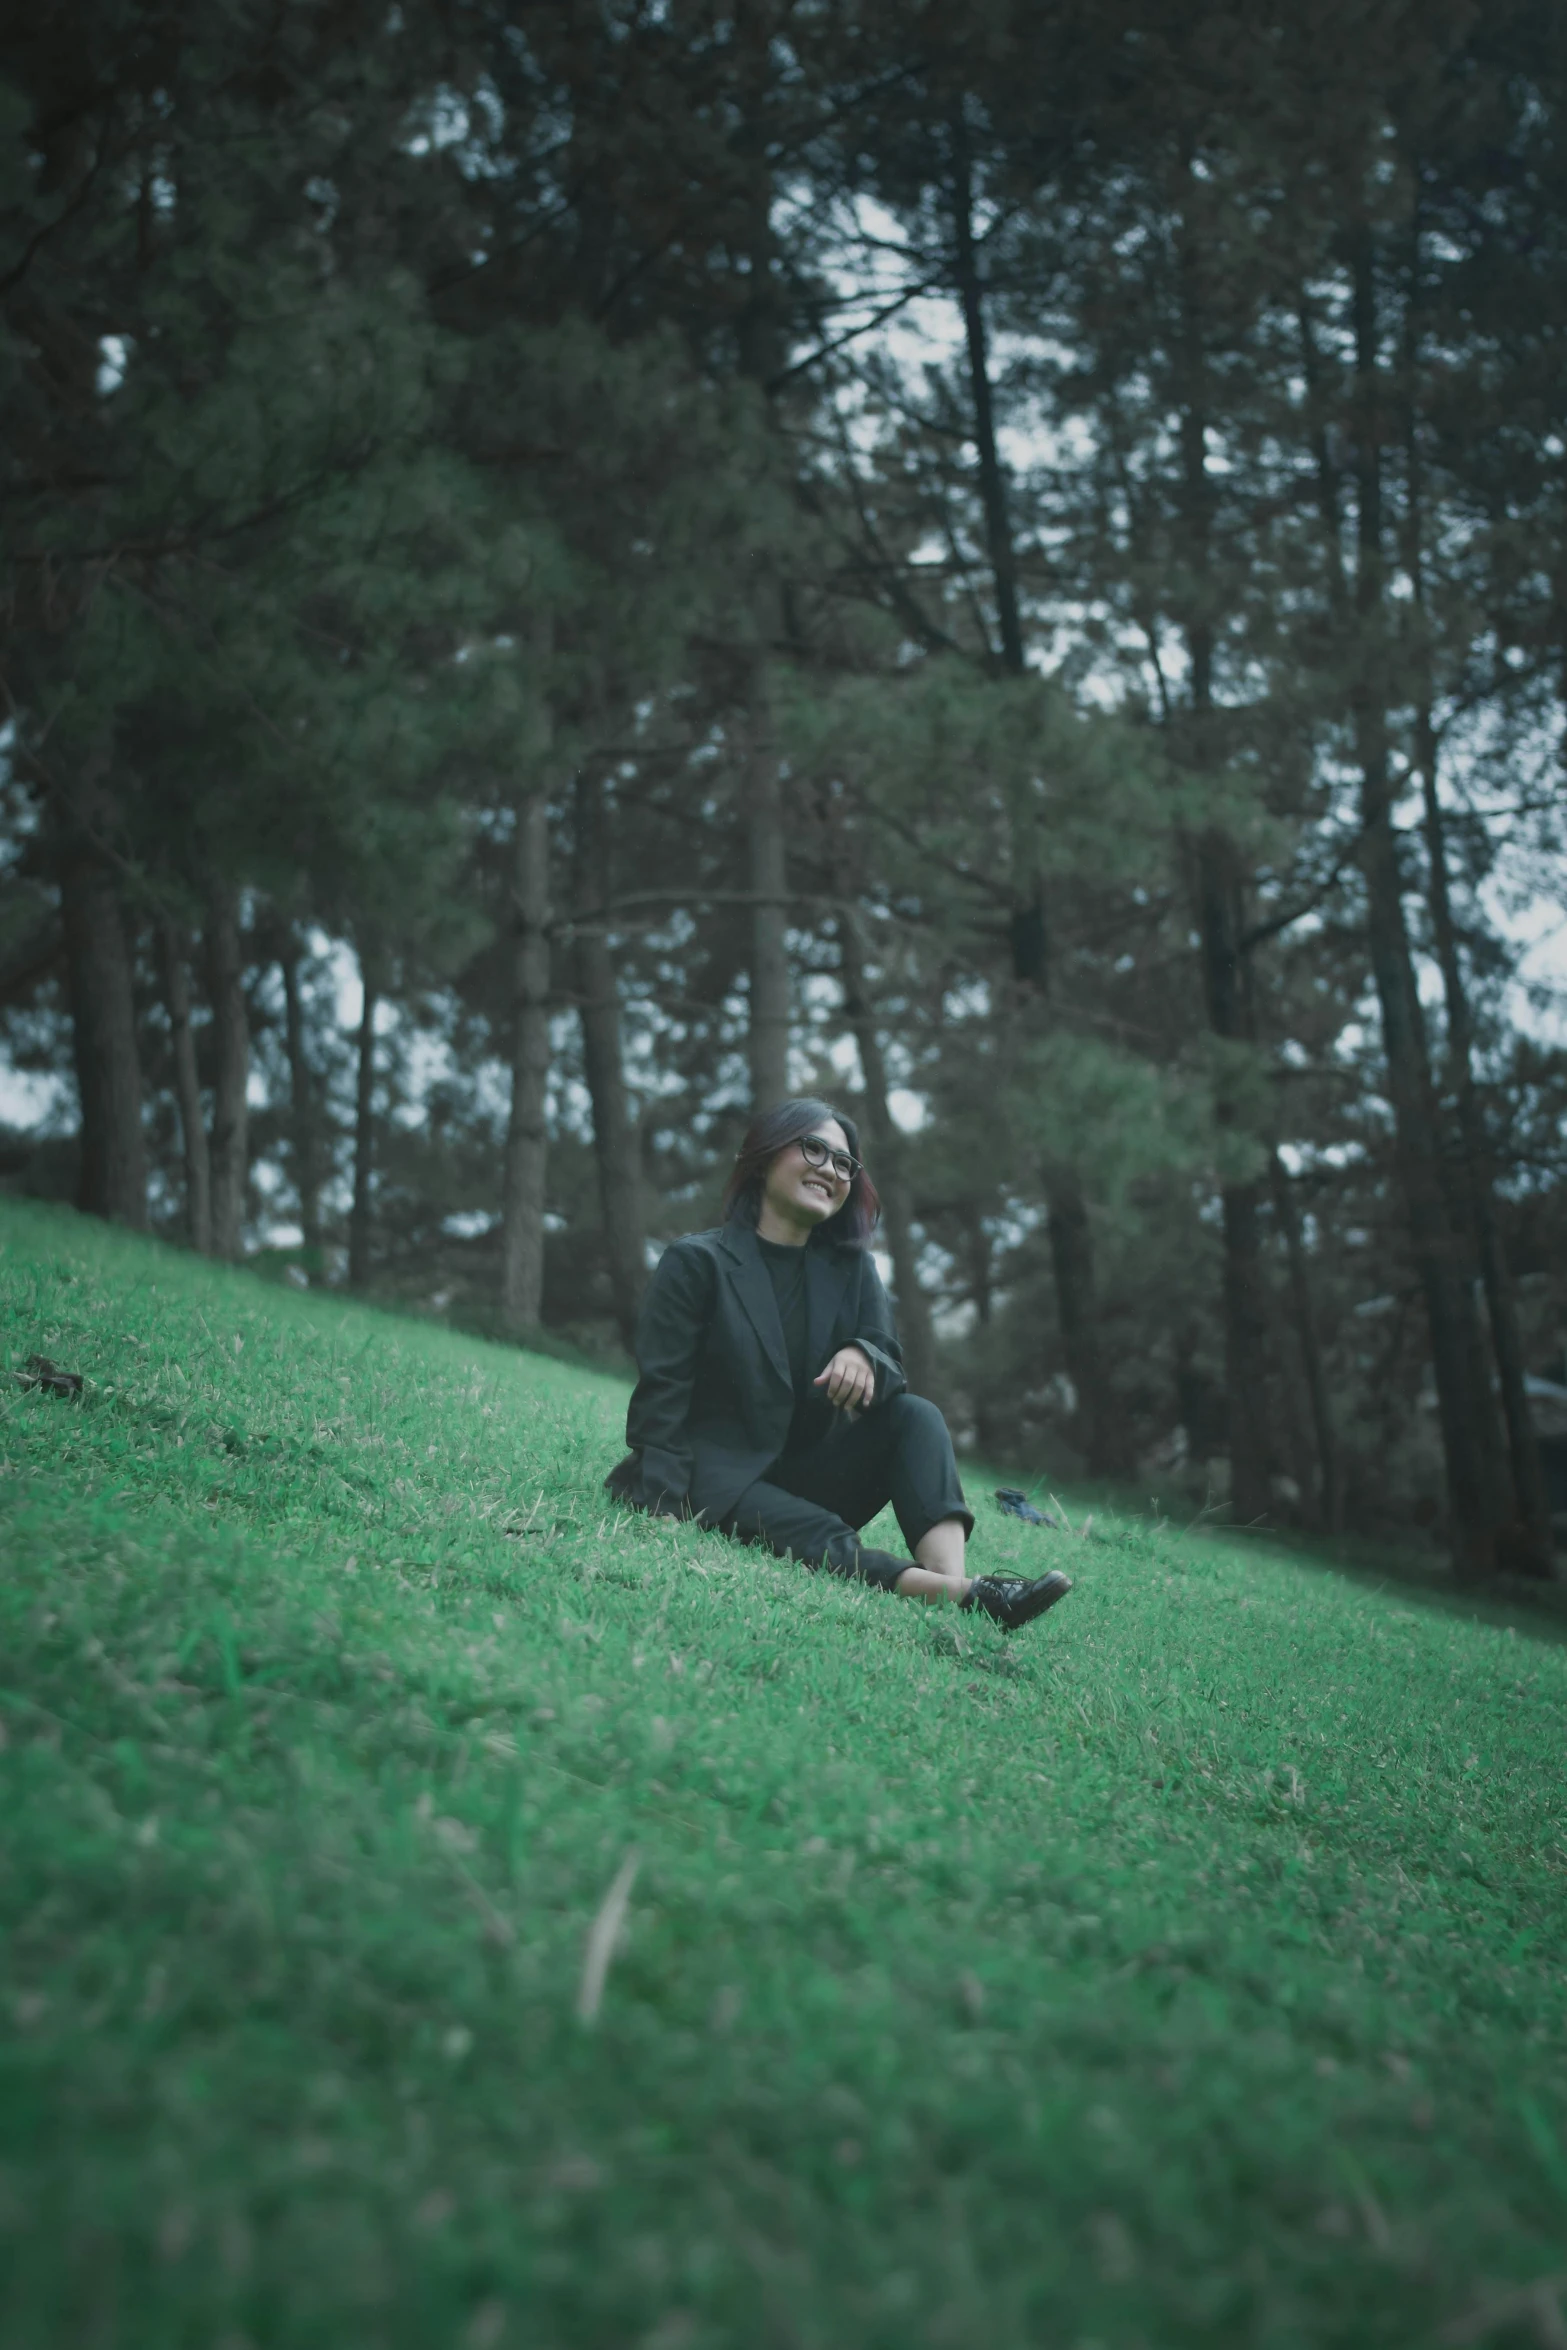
[[849, 1380]]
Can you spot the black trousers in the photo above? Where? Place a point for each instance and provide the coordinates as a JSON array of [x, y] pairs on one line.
[[811, 1505]]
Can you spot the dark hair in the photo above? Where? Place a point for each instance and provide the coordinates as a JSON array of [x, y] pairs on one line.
[[851, 1225]]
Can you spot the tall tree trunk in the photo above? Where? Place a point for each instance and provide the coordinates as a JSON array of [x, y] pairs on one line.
[[230, 1072], [1246, 1353], [616, 1144], [885, 1147], [187, 1089], [1464, 1404], [761, 348], [992, 481], [1100, 1431], [1330, 1494], [522, 1197], [1468, 1422], [304, 1116], [362, 1209], [1529, 1545], [980, 1255], [1244, 1283], [1220, 921], [767, 1041], [1101, 1437], [113, 1176]]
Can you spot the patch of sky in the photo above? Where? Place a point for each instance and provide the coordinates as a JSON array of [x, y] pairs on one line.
[[952, 1322], [1428, 982], [468, 1224], [1301, 1159], [323, 194], [1536, 994], [490, 1090], [267, 1178], [843, 1054], [427, 1061], [114, 353], [441, 120], [36, 1101], [465, 124], [970, 1000], [1019, 1220], [570, 1105]]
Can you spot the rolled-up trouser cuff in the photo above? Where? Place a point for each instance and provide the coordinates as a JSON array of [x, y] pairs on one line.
[[914, 1533], [847, 1555]]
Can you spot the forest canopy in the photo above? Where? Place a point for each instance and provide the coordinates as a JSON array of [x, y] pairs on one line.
[[571, 570]]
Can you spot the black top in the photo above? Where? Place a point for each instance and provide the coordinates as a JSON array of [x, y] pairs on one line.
[[786, 1271]]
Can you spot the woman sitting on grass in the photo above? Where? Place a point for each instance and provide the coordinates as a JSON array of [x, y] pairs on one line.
[[771, 1401]]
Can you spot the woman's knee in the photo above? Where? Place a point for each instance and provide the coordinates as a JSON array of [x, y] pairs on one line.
[[916, 1419]]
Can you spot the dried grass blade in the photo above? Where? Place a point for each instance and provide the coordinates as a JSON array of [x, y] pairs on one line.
[[603, 1934]]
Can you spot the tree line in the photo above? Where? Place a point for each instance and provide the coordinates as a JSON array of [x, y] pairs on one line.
[[996, 559]]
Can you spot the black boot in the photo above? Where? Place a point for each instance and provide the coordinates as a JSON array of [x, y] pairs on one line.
[[1012, 1602]]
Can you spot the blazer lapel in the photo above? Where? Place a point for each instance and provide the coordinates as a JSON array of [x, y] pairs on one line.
[[827, 1274], [752, 1286]]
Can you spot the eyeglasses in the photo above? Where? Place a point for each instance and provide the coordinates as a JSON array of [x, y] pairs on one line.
[[818, 1152]]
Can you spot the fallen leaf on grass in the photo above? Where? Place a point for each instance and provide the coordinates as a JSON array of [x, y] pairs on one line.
[[39, 1371]]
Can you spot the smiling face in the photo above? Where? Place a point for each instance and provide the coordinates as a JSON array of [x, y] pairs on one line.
[[796, 1196]]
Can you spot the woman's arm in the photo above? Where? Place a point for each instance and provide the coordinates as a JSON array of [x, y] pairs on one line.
[[670, 1329], [876, 1333]]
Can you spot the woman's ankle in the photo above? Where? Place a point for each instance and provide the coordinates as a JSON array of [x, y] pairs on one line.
[[936, 1589]]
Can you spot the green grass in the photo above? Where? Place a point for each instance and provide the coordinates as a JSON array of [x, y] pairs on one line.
[[1189, 1971]]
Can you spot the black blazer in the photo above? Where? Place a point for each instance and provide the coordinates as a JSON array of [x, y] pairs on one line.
[[713, 1405]]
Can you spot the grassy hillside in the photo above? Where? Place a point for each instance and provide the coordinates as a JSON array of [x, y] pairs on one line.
[[1188, 1971]]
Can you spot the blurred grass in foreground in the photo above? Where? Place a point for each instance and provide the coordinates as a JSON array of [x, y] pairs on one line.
[[1187, 1971]]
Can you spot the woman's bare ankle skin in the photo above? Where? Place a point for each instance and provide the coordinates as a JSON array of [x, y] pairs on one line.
[[937, 1573], [925, 1583]]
